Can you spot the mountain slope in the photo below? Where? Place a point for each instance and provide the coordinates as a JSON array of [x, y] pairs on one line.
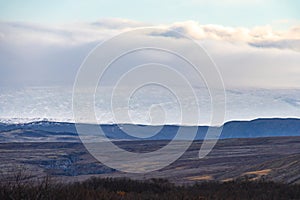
[[60, 131]]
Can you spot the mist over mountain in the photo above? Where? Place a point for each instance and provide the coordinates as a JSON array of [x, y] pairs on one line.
[[22, 105]]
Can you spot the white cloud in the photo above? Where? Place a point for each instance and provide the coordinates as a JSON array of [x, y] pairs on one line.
[[117, 23], [239, 34], [102, 29], [258, 57]]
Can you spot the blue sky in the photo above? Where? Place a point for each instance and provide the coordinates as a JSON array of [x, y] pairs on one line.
[[278, 13]]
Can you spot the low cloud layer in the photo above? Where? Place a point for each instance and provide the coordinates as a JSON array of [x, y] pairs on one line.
[[38, 54]]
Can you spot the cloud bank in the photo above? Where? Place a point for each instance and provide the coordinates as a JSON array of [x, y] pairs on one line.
[[38, 54]]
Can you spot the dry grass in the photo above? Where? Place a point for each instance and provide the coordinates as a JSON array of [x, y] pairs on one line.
[[200, 178], [259, 173]]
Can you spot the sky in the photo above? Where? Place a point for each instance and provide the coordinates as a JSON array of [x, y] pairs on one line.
[[254, 43], [247, 13]]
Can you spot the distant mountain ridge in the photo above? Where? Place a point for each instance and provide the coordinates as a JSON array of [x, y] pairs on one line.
[[65, 131]]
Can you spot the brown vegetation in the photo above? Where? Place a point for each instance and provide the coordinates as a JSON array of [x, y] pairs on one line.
[[108, 188]]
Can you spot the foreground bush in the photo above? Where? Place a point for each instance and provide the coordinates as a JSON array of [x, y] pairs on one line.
[[97, 188]]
